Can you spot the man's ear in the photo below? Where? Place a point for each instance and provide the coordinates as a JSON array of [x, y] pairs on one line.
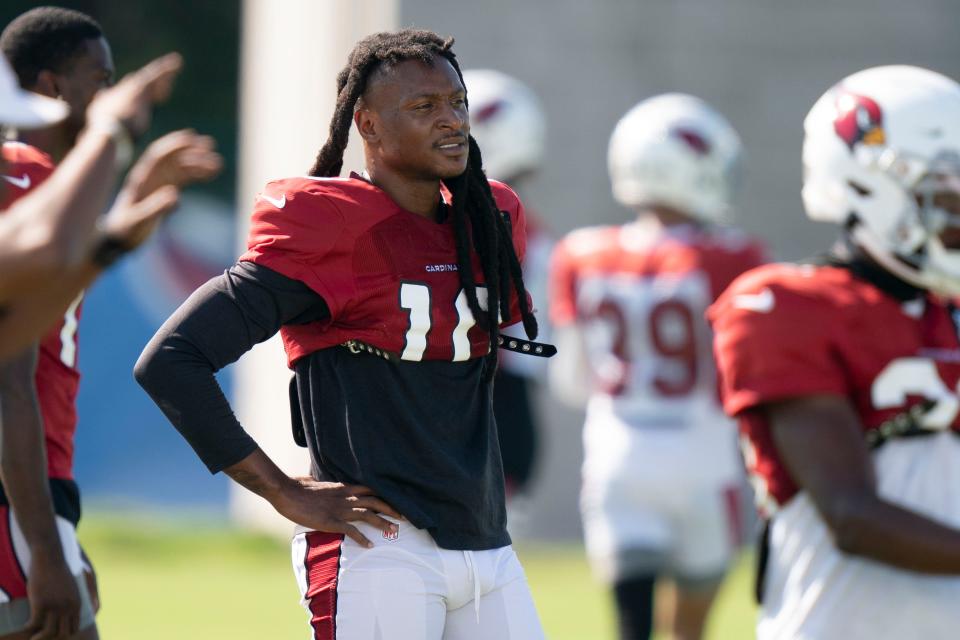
[[46, 84], [368, 125]]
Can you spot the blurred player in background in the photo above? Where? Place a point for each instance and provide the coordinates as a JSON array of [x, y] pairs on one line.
[[388, 289], [68, 66], [509, 125], [844, 373], [51, 243], [660, 475], [61, 53]]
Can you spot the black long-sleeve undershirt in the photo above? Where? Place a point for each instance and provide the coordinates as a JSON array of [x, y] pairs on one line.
[[217, 324], [420, 434]]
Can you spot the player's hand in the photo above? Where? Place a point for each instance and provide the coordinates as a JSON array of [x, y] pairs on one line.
[[54, 599], [132, 223], [331, 507], [131, 100], [176, 160]]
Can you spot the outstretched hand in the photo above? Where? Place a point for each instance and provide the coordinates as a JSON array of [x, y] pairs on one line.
[[332, 506], [153, 185], [177, 159], [131, 100]]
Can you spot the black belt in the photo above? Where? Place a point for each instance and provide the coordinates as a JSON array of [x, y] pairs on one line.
[[907, 424], [517, 345]]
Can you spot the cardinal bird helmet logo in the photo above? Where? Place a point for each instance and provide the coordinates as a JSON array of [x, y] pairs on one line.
[[858, 120], [693, 139]]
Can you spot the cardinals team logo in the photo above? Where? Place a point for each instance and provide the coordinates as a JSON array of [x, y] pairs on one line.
[[487, 111], [693, 139], [859, 120]]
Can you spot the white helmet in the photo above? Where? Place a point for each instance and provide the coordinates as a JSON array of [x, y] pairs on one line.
[[507, 121], [878, 147], [677, 151]]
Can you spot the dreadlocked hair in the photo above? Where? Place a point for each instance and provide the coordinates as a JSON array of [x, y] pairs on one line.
[[477, 223]]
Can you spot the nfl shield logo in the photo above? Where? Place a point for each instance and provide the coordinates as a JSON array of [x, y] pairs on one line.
[[390, 535]]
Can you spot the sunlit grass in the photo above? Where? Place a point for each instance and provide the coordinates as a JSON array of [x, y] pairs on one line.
[[188, 579]]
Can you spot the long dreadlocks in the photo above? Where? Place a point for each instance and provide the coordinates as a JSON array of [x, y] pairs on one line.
[[472, 197]]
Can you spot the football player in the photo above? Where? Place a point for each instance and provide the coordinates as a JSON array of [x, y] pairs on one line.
[[843, 373], [388, 288], [51, 245], [508, 123], [660, 472], [61, 53]]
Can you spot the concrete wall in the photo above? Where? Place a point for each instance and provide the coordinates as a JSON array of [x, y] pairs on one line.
[[761, 63]]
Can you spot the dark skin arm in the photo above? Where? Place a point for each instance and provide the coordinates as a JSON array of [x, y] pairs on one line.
[[820, 440], [51, 588], [150, 192], [322, 506], [48, 232], [220, 322]]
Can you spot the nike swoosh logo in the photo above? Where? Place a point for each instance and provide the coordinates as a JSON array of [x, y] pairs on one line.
[[762, 302], [277, 202], [21, 183]]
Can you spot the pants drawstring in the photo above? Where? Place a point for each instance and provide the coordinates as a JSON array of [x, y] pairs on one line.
[[468, 556]]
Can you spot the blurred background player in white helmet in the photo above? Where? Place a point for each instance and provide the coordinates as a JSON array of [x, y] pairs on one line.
[[508, 122], [661, 478], [843, 373]]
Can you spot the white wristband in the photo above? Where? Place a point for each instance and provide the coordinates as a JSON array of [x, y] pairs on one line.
[[123, 144]]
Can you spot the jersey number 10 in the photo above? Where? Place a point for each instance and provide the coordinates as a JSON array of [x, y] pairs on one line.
[[415, 298]]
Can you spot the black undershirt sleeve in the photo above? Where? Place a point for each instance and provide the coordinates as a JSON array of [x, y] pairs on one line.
[[216, 325]]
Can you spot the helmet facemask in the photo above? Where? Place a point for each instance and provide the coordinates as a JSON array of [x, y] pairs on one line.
[[938, 201], [925, 240]]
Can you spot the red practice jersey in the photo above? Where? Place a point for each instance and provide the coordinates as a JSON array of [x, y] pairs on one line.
[[58, 379], [639, 293], [389, 276], [787, 331]]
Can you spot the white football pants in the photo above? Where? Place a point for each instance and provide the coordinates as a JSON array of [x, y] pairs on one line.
[[408, 588]]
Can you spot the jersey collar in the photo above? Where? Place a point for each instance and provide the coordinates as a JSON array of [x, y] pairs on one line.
[[846, 255]]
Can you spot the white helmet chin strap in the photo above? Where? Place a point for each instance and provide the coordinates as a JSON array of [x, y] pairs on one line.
[[934, 281]]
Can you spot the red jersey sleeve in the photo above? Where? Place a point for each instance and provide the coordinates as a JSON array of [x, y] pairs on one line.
[[747, 255], [300, 233], [774, 339], [508, 201], [563, 305]]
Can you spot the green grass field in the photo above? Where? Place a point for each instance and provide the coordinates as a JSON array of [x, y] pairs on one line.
[[162, 579]]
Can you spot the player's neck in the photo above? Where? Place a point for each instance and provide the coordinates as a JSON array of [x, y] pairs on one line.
[[664, 217], [51, 141], [421, 197]]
